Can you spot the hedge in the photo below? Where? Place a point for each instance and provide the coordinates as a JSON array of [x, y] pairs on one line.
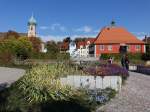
[[132, 56]]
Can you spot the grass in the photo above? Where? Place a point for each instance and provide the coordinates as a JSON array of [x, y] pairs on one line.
[[39, 85]]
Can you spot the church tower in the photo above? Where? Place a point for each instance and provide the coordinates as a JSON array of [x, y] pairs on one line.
[[32, 27]]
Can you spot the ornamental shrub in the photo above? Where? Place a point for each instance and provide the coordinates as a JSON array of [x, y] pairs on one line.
[[146, 56], [107, 70]]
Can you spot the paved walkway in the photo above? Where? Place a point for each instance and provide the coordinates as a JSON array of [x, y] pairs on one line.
[[134, 96], [9, 75]]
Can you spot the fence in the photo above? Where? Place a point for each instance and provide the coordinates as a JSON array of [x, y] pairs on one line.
[[92, 82]]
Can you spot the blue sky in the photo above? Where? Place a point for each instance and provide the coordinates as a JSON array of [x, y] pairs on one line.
[[60, 18]]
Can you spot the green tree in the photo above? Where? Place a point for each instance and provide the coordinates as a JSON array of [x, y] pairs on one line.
[[23, 48], [67, 39], [19, 48], [36, 43], [52, 48]]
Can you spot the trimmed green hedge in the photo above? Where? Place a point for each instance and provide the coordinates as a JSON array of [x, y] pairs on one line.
[[132, 56], [59, 56]]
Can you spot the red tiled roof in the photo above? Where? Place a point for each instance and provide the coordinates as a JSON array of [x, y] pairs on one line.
[[81, 43], [116, 35], [84, 43], [91, 40], [64, 46]]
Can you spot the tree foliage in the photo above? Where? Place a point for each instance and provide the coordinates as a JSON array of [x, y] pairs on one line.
[[67, 39], [52, 49], [80, 39], [12, 47], [36, 43], [11, 34]]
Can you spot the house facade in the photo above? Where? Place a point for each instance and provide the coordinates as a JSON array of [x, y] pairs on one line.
[[83, 47], [72, 49], [115, 40]]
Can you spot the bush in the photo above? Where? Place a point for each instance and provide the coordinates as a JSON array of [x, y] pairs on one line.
[[131, 56], [107, 56], [146, 56], [6, 58], [63, 56], [58, 56], [107, 70], [17, 48], [39, 55], [143, 69]]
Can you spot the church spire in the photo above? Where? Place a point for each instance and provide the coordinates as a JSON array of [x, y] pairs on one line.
[[32, 20], [32, 27]]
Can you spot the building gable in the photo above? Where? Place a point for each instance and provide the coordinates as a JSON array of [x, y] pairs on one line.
[[116, 35]]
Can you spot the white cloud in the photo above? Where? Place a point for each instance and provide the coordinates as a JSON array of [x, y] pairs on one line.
[[61, 37], [58, 26], [75, 36], [140, 35], [85, 29], [52, 37], [44, 27]]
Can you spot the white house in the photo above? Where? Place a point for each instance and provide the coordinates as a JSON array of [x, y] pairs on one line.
[[72, 49], [83, 47]]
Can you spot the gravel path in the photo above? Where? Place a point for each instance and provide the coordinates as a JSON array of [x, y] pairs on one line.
[[134, 96], [9, 75]]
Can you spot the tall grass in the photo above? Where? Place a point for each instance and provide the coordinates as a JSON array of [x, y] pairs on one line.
[[40, 90], [42, 83]]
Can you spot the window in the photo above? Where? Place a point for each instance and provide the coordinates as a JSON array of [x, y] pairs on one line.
[[128, 47], [110, 47], [31, 28], [101, 47], [137, 47]]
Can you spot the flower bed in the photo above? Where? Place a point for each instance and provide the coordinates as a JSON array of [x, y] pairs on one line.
[[101, 96], [143, 69], [40, 89], [107, 70]]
